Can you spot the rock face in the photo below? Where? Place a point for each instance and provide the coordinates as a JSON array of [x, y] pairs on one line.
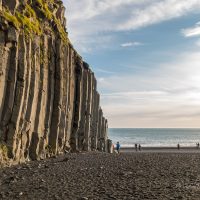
[[48, 98]]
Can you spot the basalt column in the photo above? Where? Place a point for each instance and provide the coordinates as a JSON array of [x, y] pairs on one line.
[[99, 140], [81, 131], [25, 121], [33, 106], [96, 121], [38, 136], [68, 116], [71, 95], [8, 77], [92, 130], [105, 136], [64, 106], [77, 103], [13, 135], [58, 95], [94, 127], [50, 91], [49, 102], [87, 145]]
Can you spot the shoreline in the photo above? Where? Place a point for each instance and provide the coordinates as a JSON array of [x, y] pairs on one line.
[[166, 149]]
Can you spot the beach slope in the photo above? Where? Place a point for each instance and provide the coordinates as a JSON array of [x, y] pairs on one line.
[[148, 175]]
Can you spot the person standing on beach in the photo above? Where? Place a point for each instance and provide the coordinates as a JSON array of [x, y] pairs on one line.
[[113, 148], [178, 146], [139, 147], [136, 147], [118, 147]]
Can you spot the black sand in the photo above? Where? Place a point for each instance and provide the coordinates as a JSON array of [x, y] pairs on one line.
[[147, 175]]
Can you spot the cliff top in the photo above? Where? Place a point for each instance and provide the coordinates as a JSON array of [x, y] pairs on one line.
[[34, 17]]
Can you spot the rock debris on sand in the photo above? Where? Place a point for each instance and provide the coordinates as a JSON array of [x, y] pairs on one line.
[[105, 176]]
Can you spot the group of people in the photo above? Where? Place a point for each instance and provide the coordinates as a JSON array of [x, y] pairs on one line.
[[197, 146], [137, 147]]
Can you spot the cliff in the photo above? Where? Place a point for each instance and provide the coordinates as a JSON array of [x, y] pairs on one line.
[[48, 98]]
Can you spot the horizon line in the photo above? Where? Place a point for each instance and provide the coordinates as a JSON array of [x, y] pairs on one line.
[[154, 128]]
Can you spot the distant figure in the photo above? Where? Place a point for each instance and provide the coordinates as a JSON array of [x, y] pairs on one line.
[[118, 147], [102, 147], [113, 147], [178, 146], [136, 147], [139, 147], [197, 144]]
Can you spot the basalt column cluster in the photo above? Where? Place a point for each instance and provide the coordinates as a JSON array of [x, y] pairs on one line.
[[48, 97]]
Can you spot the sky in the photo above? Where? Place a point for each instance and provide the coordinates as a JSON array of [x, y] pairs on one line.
[[146, 58]]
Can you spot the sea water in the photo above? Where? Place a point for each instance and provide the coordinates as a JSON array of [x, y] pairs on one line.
[[154, 137]]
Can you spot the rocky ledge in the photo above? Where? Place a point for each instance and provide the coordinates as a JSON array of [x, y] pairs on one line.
[[48, 98]]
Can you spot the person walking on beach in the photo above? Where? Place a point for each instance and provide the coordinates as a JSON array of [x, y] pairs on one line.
[[139, 147], [178, 146], [136, 147], [197, 144], [118, 147]]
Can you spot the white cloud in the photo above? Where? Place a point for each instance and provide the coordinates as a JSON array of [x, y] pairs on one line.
[[198, 43], [131, 44], [169, 94], [105, 71], [192, 32], [166, 96], [89, 18], [157, 12]]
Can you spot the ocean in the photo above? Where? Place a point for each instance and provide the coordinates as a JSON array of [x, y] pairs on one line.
[[155, 137]]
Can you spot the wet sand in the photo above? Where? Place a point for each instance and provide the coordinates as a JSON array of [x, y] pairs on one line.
[[141, 175], [162, 150]]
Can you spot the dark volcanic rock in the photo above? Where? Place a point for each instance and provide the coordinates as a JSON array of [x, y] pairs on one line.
[[102, 176], [48, 98]]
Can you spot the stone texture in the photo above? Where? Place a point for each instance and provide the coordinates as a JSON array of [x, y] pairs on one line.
[[0, 4], [10, 4], [49, 102]]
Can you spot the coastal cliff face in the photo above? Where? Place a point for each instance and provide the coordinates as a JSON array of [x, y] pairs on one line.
[[48, 98]]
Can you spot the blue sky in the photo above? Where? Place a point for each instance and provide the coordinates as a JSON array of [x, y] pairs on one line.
[[146, 57]]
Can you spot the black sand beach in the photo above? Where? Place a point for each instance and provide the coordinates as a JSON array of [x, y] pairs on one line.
[[146, 175]]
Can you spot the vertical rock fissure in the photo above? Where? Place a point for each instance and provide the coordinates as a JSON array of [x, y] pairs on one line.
[[56, 113], [77, 105]]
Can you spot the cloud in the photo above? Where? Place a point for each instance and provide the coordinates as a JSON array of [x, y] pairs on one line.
[[131, 44], [192, 32], [88, 19], [105, 71], [158, 12], [198, 42], [166, 96]]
